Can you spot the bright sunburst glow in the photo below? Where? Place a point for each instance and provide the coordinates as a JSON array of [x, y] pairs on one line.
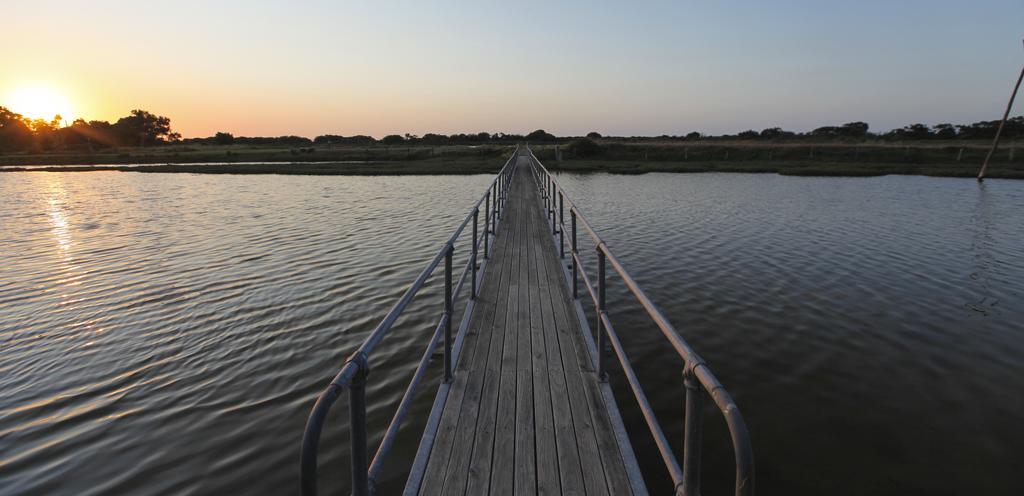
[[39, 102]]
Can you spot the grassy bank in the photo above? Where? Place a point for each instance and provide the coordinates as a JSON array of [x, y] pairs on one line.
[[786, 168], [951, 152], [249, 154], [457, 165], [945, 159], [932, 158]]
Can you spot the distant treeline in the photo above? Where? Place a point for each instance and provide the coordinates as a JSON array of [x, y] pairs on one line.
[[852, 132], [142, 128], [431, 139], [858, 131]]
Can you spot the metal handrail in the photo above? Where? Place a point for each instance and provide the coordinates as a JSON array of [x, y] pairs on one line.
[[697, 376], [354, 372]]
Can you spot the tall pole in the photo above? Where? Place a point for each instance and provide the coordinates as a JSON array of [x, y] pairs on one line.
[[999, 132]]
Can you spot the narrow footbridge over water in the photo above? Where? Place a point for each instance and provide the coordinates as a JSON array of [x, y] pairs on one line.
[[524, 405]]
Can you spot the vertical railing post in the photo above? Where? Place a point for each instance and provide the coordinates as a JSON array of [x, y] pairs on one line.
[[545, 192], [554, 223], [487, 225], [575, 269], [448, 314], [693, 430], [476, 217], [576, 253], [602, 375], [494, 212], [503, 194], [357, 426], [561, 225], [551, 202]]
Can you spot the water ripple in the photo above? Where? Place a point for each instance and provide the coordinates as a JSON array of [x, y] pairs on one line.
[[169, 333]]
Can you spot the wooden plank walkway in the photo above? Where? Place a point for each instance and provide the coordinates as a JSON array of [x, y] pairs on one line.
[[525, 413]]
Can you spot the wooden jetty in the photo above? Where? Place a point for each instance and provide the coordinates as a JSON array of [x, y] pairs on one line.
[[524, 405]]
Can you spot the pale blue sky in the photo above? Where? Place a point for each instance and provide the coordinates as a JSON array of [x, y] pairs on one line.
[[643, 68]]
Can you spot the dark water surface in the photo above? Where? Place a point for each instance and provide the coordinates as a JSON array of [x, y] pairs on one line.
[[168, 333]]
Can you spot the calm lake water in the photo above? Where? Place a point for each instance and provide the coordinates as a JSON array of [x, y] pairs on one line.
[[169, 333]]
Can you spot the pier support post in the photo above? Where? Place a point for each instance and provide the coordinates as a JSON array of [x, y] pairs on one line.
[[448, 314], [561, 225], [546, 189], [999, 130], [487, 226], [476, 217], [357, 427], [693, 430], [554, 223], [575, 269], [602, 340], [551, 212], [504, 194]]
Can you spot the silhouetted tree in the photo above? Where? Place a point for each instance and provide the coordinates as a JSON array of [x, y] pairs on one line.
[[987, 129], [945, 131], [911, 132], [434, 139], [15, 135], [540, 135], [773, 133], [144, 129], [392, 139], [273, 141], [854, 130], [594, 135], [584, 147], [222, 138], [358, 139]]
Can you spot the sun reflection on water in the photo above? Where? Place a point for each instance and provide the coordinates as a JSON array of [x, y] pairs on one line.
[[57, 211]]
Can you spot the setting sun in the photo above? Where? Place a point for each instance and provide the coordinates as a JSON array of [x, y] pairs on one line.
[[40, 102]]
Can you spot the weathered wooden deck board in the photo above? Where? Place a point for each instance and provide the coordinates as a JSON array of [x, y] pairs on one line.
[[525, 414]]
